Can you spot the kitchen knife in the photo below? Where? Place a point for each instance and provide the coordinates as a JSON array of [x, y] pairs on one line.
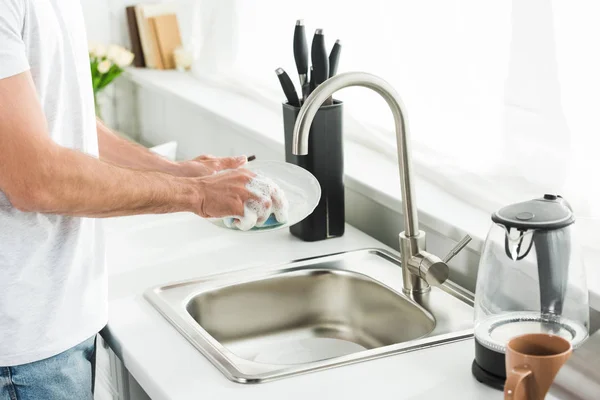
[[334, 57], [288, 87], [320, 62], [301, 56], [312, 81]]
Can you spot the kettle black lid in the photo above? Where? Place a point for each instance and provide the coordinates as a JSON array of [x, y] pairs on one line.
[[548, 213]]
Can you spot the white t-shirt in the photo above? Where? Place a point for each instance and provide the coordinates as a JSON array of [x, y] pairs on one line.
[[52, 277]]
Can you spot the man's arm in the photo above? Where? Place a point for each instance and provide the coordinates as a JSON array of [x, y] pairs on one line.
[[36, 174], [122, 152]]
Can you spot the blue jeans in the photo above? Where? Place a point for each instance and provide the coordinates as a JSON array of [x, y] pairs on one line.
[[66, 376]]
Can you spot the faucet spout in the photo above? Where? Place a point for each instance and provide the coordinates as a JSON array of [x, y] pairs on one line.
[[348, 79], [419, 268]]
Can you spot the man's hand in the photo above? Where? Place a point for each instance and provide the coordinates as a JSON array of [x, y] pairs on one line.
[[240, 195], [209, 165], [224, 194]]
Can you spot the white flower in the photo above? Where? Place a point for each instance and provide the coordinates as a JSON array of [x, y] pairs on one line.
[[119, 55], [124, 59], [183, 58], [100, 50], [92, 48], [113, 52], [104, 66]]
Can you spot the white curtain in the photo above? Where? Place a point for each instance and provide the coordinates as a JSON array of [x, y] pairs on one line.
[[503, 97]]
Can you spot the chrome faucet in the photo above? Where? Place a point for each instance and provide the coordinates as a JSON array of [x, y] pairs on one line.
[[420, 269]]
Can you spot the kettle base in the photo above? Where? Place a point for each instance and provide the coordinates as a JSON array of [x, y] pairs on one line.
[[489, 366], [487, 378]]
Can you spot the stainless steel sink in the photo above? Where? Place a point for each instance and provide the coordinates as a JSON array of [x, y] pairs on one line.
[[311, 314]]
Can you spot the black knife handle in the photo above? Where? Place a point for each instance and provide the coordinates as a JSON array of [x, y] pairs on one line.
[[320, 62], [288, 87], [334, 57], [300, 49]]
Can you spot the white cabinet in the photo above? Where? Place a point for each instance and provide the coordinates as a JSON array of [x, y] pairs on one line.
[[107, 372], [113, 381]]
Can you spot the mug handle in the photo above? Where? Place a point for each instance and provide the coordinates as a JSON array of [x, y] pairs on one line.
[[515, 379]]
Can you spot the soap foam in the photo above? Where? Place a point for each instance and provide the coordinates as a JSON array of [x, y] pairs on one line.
[[271, 200]]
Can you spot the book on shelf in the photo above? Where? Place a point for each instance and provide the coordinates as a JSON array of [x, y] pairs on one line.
[[168, 38], [147, 32], [134, 35]]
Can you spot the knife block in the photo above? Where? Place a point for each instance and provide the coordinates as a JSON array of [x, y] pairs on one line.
[[325, 160]]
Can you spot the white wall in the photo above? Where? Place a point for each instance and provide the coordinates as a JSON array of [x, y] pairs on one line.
[[105, 20], [97, 19]]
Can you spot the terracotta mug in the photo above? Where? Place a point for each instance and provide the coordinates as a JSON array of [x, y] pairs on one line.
[[532, 362]]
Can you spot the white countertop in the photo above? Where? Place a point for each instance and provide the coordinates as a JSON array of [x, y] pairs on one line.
[[144, 251]]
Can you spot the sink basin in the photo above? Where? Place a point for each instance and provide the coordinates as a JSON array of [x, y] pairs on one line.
[[307, 316], [311, 314]]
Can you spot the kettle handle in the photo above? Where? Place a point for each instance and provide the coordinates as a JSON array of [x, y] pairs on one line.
[[507, 251]]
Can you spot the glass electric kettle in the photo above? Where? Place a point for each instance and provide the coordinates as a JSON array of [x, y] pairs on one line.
[[531, 279]]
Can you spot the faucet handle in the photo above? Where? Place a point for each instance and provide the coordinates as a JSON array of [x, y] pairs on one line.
[[432, 270], [435, 271], [459, 246]]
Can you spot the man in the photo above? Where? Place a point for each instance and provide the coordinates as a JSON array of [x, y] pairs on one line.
[[52, 277]]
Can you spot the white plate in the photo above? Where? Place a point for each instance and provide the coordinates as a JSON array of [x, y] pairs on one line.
[[301, 189]]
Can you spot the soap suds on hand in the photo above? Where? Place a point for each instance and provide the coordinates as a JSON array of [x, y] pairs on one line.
[[272, 201]]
